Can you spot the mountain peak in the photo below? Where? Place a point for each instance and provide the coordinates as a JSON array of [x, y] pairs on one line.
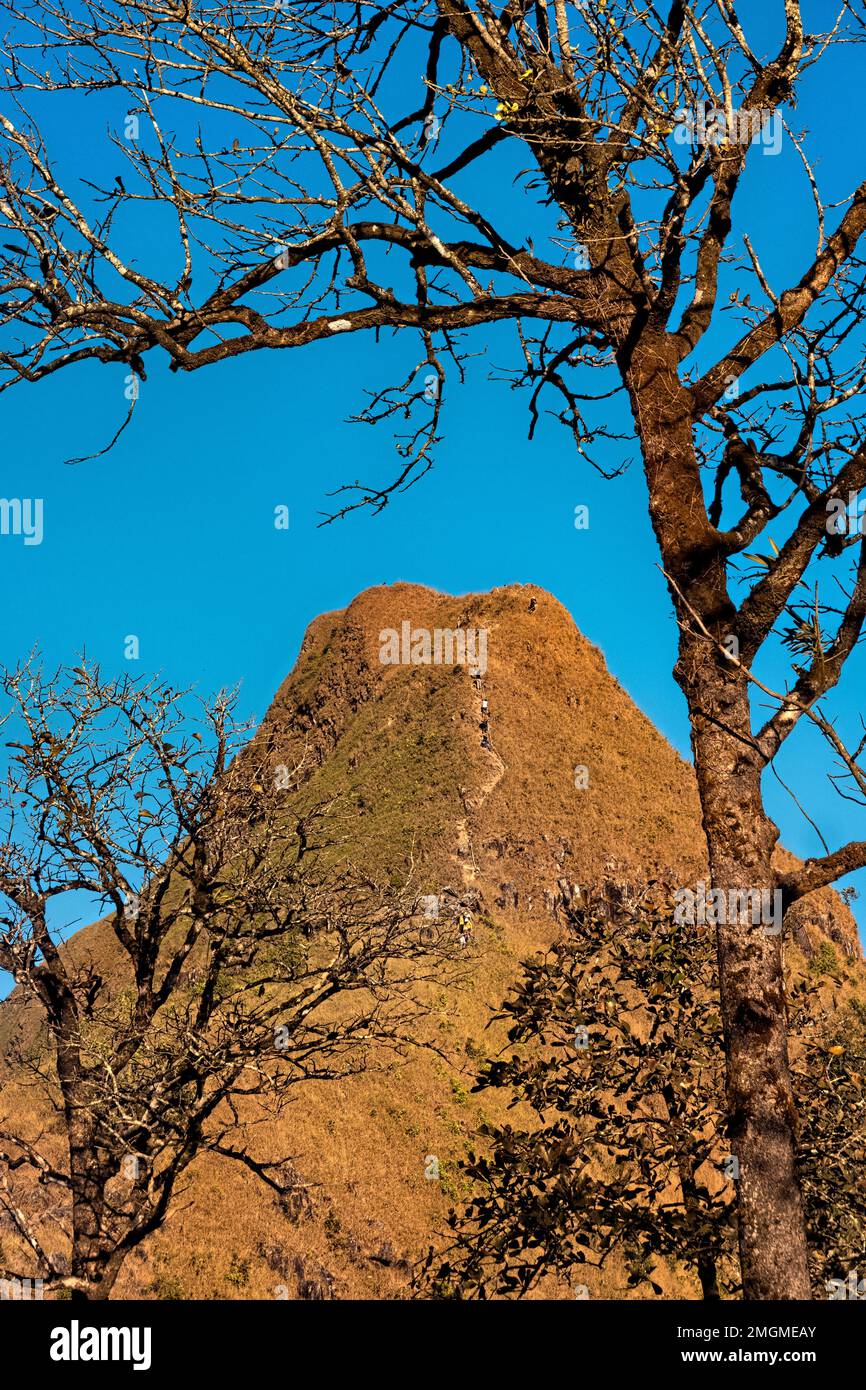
[[509, 784]]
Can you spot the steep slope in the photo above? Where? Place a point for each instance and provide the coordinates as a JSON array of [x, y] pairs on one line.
[[403, 744], [576, 782], [555, 786]]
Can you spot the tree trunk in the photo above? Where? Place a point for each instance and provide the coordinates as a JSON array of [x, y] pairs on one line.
[[762, 1117], [740, 836], [87, 1206]]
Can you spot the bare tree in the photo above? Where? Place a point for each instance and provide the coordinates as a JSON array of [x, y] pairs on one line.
[[241, 968], [310, 157]]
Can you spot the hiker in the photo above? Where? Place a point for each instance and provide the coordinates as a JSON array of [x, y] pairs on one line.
[[485, 723], [465, 928]]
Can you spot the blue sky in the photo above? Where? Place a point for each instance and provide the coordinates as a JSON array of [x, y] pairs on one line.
[[171, 536]]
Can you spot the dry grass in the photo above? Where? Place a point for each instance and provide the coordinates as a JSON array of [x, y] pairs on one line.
[[400, 750]]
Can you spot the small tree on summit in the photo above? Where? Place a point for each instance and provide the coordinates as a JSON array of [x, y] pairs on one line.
[[323, 168], [240, 970]]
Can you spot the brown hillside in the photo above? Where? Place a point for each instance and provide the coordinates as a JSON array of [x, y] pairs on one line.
[[402, 746], [397, 752]]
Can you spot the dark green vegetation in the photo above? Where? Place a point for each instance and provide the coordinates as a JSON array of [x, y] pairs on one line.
[[615, 1046]]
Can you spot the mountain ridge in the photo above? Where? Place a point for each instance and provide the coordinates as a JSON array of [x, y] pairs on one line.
[[419, 790]]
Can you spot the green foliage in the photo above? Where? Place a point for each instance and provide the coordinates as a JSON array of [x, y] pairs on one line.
[[831, 1099], [618, 1059], [459, 1091], [450, 1180], [825, 961], [617, 1048], [238, 1272], [168, 1287]]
